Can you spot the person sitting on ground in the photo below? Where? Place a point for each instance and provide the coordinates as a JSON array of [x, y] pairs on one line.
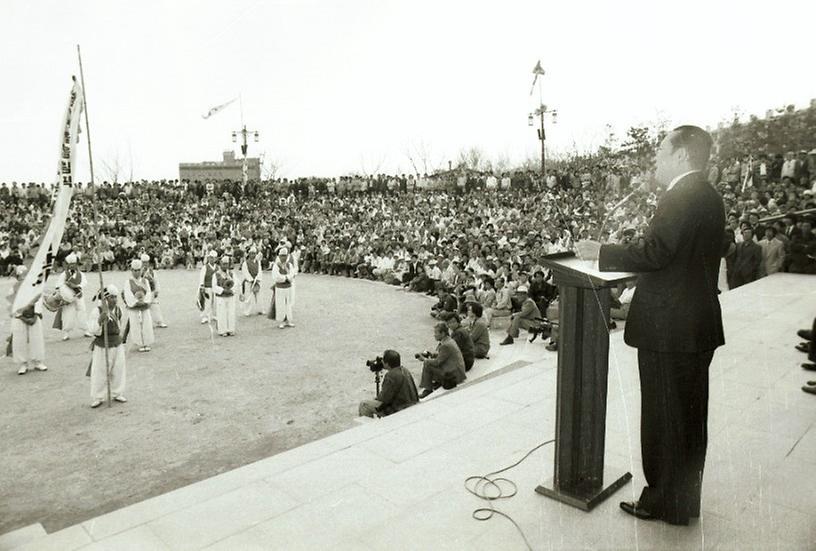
[[523, 319], [398, 389], [504, 295], [620, 307], [462, 338], [479, 333], [447, 303], [446, 368]]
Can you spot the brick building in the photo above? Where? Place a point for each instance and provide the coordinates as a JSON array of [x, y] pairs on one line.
[[228, 169]]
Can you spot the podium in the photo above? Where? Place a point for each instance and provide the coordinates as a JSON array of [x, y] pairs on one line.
[[583, 357]]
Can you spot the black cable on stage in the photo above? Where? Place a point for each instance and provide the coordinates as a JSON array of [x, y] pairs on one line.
[[486, 481]]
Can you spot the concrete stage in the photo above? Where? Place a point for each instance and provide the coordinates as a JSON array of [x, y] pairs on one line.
[[398, 483]]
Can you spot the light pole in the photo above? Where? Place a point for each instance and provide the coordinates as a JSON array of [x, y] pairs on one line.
[[244, 148], [541, 112]]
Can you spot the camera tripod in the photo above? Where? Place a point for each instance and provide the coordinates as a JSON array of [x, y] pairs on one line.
[[377, 379]]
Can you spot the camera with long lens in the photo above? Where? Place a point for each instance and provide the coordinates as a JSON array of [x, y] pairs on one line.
[[375, 365], [542, 327], [424, 355]]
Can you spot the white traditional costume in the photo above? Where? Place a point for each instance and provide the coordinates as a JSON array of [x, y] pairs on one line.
[[283, 276], [251, 284], [115, 350], [72, 314], [138, 296], [27, 343], [155, 309], [205, 287], [223, 287]]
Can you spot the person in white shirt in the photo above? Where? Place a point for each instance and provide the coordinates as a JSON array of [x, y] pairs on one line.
[[625, 299], [107, 350], [138, 295], [491, 183], [251, 284], [205, 298], [223, 288], [72, 314], [27, 343], [283, 275]]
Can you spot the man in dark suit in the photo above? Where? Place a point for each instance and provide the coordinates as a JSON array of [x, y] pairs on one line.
[[446, 367], [675, 323], [747, 259]]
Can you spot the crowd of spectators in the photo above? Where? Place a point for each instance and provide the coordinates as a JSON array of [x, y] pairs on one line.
[[425, 232]]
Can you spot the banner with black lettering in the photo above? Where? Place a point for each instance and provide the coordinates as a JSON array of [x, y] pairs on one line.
[[31, 287]]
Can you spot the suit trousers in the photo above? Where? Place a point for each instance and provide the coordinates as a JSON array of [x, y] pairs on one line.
[[673, 431]]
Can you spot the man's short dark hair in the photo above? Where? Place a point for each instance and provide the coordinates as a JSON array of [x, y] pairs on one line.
[[476, 308], [392, 358], [442, 327], [696, 141]]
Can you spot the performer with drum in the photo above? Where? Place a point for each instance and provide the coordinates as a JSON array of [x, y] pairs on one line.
[[72, 313], [205, 303], [27, 343], [283, 274], [110, 316], [138, 296], [223, 287], [251, 284], [155, 309]]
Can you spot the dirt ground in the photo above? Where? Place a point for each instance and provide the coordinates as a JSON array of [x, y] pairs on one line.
[[197, 406]]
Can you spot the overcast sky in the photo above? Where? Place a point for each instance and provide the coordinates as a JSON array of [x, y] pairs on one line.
[[351, 86]]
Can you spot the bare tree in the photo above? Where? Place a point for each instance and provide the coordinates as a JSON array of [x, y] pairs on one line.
[[375, 165], [113, 166], [472, 158], [422, 158], [271, 167]]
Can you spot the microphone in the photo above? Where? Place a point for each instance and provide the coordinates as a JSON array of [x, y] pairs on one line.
[[612, 211]]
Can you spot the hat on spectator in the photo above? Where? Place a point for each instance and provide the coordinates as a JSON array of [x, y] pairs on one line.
[[71, 259], [225, 259], [110, 291], [136, 265], [145, 258], [521, 289], [283, 251], [212, 254]]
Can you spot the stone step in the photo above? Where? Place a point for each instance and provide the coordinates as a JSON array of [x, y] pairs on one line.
[[21, 536]]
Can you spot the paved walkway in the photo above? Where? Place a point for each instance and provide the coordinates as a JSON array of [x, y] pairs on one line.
[[397, 483]]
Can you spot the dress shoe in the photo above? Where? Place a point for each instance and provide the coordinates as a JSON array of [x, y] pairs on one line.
[[809, 389], [41, 367], [162, 326], [96, 403], [809, 367], [634, 509], [425, 393], [803, 347], [120, 398], [552, 347], [506, 341], [811, 383], [22, 370], [806, 334]]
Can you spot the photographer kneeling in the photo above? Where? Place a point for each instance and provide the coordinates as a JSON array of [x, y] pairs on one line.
[[398, 389]]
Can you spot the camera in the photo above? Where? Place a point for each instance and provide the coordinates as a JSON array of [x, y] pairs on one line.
[[423, 355], [542, 327], [375, 365]]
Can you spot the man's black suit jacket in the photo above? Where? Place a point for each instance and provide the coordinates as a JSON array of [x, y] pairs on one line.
[[675, 307]]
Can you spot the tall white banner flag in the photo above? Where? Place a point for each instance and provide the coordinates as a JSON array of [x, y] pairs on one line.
[[31, 287]]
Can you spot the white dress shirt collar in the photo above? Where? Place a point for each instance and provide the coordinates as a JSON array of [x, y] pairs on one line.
[[678, 178]]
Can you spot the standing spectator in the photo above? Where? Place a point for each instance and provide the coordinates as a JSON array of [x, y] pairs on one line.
[[748, 257], [773, 253]]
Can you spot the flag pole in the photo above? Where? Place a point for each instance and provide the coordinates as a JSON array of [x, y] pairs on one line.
[[105, 308]]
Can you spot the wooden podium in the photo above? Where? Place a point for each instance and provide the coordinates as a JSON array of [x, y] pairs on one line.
[[583, 356]]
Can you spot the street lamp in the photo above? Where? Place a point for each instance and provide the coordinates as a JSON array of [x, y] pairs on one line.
[[541, 112], [244, 147]]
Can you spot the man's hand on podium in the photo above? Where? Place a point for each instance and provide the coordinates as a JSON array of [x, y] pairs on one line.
[[587, 250]]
